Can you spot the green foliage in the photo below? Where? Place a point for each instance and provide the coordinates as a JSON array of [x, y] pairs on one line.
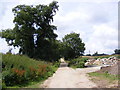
[[57, 64], [20, 70], [3, 85], [78, 62], [117, 51], [33, 32], [95, 54], [73, 46], [96, 57], [88, 54], [9, 35]]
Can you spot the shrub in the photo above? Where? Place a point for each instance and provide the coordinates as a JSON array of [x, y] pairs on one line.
[[57, 64], [78, 62], [19, 70]]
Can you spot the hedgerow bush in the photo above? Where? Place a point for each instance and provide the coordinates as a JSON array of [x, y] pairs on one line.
[[19, 69], [78, 62]]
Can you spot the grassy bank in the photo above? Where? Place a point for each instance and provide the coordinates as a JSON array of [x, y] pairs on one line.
[[22, 71], [104, 80]]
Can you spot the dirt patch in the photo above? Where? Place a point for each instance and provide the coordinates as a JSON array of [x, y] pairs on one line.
[[100, 83], [104, 83]]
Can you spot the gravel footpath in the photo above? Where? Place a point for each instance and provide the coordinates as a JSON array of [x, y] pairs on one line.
[[66, 77]]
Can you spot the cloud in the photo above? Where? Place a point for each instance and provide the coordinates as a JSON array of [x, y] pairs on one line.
[[103, 39], [104, 31], [71, 16], [3, 9], [95, 20], [7, 16], [3, 46], [96, 24]]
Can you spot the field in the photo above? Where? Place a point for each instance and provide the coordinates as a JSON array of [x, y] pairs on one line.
[[105, 56]]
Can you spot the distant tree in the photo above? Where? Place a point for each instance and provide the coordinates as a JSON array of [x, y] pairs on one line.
[[102, 54], [95, 54], [117, 51], [73, 46], [88, 54]]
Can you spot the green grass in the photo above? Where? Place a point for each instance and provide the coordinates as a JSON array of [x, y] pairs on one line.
[[18, 61], [104, 80], [105, 56], [34, 85], [104, 76], [22, 71]]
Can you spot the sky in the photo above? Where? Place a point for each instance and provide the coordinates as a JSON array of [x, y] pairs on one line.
[[95, 20]]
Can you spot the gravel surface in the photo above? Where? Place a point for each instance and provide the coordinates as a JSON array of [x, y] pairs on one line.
[[66, 77]]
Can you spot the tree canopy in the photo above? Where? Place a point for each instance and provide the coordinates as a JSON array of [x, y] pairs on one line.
[[117, 51], [34, 34], [73, 45], [33, 31]]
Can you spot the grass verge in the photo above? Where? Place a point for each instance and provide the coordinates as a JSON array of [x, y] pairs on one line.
[[104, 80]]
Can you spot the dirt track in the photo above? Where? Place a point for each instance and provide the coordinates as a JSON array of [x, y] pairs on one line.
[[66, 77]]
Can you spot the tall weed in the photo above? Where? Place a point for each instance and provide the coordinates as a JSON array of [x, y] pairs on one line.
[[19, 69]]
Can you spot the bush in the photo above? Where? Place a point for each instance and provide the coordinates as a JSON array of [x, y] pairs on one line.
[[78, 62], [80, 65], [19, 70], [57, 64], [3, 85]]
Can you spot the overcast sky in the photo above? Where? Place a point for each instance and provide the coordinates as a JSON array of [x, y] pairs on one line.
[[95, 20]]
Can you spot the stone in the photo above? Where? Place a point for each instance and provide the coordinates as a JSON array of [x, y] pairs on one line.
[[104, 61]]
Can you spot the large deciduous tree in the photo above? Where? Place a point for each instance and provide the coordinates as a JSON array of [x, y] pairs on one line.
[[73, 46], [33, 31]]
